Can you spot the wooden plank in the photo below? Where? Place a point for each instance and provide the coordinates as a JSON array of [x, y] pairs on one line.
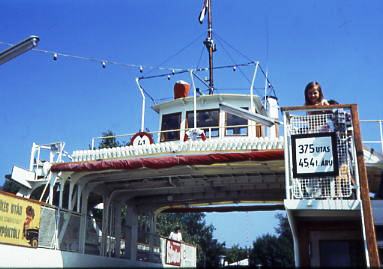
[[304, 108], [369, 227]]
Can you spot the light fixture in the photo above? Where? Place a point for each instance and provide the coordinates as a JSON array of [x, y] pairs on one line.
[[103, 63], [55, 56], [19, 49], [243, 113], [141, 69]]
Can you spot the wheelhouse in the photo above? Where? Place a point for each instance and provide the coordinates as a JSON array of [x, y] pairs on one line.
[[177, 117]]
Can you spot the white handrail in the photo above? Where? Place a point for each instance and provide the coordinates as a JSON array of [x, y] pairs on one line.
[[380, 122]]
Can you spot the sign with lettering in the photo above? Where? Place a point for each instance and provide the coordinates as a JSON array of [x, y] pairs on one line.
[[19, 221], [314, 155], [141, 139], [173, 252]]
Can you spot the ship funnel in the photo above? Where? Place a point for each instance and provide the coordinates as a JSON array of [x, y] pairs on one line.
[[181, 89]]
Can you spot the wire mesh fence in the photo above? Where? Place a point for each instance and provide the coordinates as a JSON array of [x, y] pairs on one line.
[[315, 182]]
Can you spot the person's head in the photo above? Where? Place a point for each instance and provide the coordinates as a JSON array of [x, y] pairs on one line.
[[177, 229], [313, 93], [30, 212]]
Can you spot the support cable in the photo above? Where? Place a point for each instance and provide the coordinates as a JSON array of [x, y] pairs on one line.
[[233, 61], [177, 53]]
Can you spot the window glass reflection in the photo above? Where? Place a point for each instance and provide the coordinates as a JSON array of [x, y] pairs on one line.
[[170, 122], [205, 118]]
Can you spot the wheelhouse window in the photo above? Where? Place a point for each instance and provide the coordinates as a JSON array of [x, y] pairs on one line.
[[207, 120], [170, 122], [236, 126]]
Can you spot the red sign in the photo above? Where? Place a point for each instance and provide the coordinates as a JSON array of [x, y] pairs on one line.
[[173, 252]]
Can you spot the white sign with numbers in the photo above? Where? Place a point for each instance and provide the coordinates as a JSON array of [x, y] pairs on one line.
[[314, 154], [141, 139]]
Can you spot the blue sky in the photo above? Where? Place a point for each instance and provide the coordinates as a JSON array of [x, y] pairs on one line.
[[336, 42]]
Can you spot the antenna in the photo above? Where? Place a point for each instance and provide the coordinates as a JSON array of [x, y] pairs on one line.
[[209, 44]]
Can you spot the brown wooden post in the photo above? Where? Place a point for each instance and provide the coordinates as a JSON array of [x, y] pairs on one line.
[[369, 227]]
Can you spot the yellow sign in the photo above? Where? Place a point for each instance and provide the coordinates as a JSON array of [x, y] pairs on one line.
[[19, 221]]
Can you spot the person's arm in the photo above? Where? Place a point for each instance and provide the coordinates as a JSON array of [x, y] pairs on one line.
[[324, 102]]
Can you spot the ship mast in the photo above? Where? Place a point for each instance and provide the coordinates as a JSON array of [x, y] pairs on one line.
[[210, 45]]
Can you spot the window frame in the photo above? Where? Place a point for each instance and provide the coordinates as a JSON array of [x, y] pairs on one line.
[[164, 137]]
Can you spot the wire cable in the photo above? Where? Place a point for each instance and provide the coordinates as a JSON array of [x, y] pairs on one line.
[[56, 55], [231, 58], [177, 53]]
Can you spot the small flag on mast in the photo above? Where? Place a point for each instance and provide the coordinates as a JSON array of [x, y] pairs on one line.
[[203, 11]]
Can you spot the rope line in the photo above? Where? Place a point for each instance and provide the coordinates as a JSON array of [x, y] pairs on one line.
[[56, 55], [232, 59], [177, 53]]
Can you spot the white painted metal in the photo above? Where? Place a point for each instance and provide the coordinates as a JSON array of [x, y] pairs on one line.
[[287, 157], [294, 232], [243, 113], [143, 105], [216, 145], [194, 100], [272, 112], [265, 91], [252, 87], [380, 122]]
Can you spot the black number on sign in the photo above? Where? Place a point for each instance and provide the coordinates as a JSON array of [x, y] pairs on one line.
[[305, 147], [312, 148], [300, 149], [304, 162]]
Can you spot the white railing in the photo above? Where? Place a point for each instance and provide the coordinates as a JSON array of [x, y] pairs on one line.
[[210, 145], [157, 134], [380, 123]]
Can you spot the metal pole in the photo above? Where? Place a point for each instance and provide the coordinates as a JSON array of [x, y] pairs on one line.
[[286, 145], [381, 134], [209, 43], [92, 143], [143, 104], [252, 87], [266, 84], [19, 49], [372, 259], [194, 99]]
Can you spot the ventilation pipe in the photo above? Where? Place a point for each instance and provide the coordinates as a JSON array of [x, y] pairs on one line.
[[272, 112]]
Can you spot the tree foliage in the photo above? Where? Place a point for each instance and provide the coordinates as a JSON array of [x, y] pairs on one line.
[[109, 140], [274, 250], [194, 231], [236, 253], [10, 186]]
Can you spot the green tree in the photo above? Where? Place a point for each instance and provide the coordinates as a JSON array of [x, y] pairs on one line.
[[194, 231], [274, 250], [10, 186], [236, 253], [109, 140]]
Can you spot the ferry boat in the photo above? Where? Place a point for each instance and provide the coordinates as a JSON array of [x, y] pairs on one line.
[[210, 148]]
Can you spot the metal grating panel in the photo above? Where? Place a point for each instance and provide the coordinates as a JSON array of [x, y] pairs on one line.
[[338, 121], [69, 226], [47, 227]]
